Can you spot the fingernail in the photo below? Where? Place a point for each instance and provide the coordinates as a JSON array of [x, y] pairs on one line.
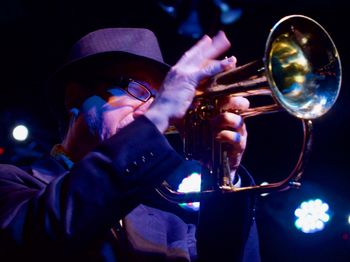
[[229, 60], [237, 138]]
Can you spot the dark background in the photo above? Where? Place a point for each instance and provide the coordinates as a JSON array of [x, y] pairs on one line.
[[35, 38]]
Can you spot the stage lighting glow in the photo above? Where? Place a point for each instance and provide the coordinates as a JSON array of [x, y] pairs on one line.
[[312, 216], [169, 9], [228, 14], [191, 26], [20, 133], [191, 183]]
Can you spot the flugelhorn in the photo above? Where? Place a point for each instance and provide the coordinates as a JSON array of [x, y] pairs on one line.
[[300, 71]]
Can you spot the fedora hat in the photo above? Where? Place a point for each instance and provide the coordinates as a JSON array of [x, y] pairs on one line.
[[103, 47]]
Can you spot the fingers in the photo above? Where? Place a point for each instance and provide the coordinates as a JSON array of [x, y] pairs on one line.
[[233, 103], [235, 143], [206, 49], [199, 62], [229, 62], [229, 128], [238, 139], [228, 121], [215, 67], [178, 89], [196, 53], [220, 44]]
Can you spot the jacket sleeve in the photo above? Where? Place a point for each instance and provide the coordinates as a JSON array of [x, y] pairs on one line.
[[86, 201]]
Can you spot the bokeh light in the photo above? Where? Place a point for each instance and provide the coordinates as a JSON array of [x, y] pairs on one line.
[[191, 183], [312, 216], [20, 133]]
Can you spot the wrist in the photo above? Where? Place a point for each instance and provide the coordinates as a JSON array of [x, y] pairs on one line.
[[158, 118]]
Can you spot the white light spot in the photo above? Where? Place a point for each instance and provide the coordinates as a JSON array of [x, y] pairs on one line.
[[191, 183], [311, 216], [20, 133]]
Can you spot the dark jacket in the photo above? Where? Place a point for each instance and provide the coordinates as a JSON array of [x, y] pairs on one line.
[[51, 213]]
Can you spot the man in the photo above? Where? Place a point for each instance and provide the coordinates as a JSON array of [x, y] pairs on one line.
[[85, 202]]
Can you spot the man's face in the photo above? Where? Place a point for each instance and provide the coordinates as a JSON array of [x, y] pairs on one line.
[[111, 105], [106, 115]]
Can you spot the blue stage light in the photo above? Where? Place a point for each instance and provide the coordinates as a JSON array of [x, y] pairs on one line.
[[228, 15], [312, 216]]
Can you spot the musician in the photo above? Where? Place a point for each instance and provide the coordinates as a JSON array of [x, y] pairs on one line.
[[85, 201]]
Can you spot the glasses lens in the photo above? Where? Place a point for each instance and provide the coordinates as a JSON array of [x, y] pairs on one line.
[[139, 91]]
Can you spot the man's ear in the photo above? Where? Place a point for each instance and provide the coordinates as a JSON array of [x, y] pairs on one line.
[[74, 112], [73, 115], [75, 95]]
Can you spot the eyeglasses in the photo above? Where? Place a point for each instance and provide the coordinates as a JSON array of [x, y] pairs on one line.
[[134, 88]]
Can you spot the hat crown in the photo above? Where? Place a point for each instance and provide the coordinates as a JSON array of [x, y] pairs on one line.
[[137, 41]]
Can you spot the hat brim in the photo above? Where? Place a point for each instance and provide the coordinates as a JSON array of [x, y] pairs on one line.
[[156, 69]]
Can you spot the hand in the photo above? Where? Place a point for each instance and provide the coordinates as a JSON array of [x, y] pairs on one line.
[[230, 129], [178, 89]]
